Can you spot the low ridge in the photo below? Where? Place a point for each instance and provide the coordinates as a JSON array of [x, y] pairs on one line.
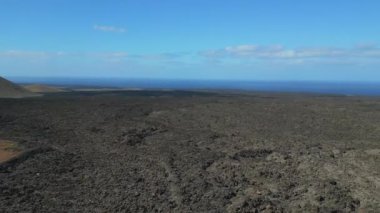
[[9, 89], [39, 88]]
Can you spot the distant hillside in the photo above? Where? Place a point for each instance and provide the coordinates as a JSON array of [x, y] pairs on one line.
[[12, 90], [38, 88]]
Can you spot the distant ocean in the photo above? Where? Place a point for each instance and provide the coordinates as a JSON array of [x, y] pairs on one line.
[[338, 88]]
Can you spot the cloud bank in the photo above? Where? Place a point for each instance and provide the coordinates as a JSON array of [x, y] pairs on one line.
[[105, 28], [244, 53], [280, 52], [232, 62]]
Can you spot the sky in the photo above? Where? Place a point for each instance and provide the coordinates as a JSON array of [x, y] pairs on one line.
[[271, 40]]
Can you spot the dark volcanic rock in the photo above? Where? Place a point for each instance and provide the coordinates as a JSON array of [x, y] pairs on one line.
[[157, 151]]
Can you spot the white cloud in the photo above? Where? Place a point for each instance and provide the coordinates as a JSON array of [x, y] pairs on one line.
[[21, 54], [105, 28], [280, 52], [111, 56], [238, 55], [30, 54]]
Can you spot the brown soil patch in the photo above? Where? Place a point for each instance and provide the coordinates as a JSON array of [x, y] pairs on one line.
[[8, 150]]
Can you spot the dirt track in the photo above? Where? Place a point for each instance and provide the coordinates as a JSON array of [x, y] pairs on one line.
[[191, 152]]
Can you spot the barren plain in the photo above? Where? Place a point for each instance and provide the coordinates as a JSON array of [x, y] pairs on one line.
[[182, 151]]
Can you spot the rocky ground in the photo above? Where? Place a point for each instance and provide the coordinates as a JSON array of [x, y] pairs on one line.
[[191, 152]]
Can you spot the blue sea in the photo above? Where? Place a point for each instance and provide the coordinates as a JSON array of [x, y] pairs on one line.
[[335, 88]]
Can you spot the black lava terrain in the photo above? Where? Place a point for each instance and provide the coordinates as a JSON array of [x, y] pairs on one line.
[[173, 151]]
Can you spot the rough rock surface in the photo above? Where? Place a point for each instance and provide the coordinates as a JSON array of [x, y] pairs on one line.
[[191, 152]]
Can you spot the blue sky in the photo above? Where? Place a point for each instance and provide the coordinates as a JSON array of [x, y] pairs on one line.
[[191, 39]]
